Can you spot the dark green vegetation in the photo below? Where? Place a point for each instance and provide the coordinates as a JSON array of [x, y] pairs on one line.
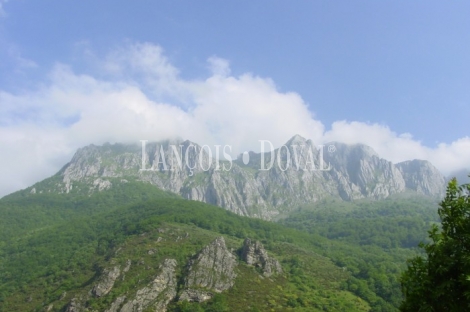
[[337, 257], [380, 236], [440, 280], [397, 222], [24, 213]]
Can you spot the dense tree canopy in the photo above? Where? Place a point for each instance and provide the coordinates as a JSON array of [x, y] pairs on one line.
[[440, 280]]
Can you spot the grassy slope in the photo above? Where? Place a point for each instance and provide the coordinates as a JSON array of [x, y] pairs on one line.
[[53, 243], [390, 223], [66, 258], [22, 213], [385, 233]]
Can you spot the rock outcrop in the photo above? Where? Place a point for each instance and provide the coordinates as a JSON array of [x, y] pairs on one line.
[[116, 305], [106, 281], [253, 253], [75, 305], [210, 271], [156, 295]]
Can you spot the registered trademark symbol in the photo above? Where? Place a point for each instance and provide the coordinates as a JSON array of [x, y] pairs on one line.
[[331, 148]]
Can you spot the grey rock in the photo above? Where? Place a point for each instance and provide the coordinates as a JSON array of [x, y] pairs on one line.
[[157, 294], [195, 295], [106, 281], [126, 269], [361, 173], [75, 305], [422, 177], [297, 176], [128, 266], [101, 185], [253, 253], [116, 305], [211, 270]]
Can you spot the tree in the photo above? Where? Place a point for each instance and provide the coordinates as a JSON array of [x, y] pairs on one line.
[[440, 280]]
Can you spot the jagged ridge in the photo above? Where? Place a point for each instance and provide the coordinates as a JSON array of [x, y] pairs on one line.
[[356, 172]]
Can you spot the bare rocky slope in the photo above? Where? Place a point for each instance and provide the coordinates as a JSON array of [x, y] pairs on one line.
[[301, 173]]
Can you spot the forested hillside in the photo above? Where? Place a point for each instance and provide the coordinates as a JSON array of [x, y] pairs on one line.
[[335, 256]]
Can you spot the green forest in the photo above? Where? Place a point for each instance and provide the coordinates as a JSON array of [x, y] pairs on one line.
[[336, 255]]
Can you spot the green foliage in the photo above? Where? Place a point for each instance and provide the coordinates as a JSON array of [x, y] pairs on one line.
[[388, 223], [68, 257], [378, 234], [24, 213], [440, 280], [52, 243]]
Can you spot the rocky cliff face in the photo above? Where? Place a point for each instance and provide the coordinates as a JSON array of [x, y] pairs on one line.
[[211, 271], [156, 295], [264, 186], [106, 282], [421, 176], [361, 173], [253, 253]]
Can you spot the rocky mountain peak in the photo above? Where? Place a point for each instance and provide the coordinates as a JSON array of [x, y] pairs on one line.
[[296, 140], [357, 150], [295, 174], [422, 177]]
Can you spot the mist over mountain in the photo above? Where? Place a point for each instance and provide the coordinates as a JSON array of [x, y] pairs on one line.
[[461, 175]]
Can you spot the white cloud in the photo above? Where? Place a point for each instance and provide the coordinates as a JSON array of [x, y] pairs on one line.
[[399, 147], [219, 66], [395, 147], [145, 64], [40, 130], [243, 110]]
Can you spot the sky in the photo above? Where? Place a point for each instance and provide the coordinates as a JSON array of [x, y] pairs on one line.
[[394, 75]]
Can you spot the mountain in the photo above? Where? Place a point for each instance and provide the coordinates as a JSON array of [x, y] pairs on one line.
[[103, 235], [262, 185], [422, 176]]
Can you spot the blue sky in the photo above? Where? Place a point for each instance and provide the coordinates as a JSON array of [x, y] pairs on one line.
[[391, 74]]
